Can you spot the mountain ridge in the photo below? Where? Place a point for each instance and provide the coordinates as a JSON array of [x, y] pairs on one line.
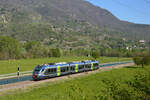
[[27, 20]]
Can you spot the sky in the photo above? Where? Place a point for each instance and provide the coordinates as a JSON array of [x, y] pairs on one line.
[[136, 11]]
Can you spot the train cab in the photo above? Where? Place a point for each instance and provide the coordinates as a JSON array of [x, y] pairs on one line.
[[36, 72]]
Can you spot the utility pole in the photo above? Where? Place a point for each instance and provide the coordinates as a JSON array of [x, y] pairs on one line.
[[18, 72]]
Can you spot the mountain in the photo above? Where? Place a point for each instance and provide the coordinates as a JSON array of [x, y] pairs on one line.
[[69, 22]]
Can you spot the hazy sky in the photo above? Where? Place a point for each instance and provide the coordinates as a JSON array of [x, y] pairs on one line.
[[137, 11]]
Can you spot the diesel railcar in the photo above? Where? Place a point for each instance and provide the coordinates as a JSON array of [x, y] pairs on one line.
[[57, 69]]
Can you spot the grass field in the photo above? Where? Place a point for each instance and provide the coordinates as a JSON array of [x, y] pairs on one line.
[[10, 66], [132, 83]]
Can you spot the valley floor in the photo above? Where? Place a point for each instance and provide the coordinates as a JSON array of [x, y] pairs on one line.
[[130, 83], [10, 66]]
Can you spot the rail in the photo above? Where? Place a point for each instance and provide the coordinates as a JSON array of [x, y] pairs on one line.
[[29, 73]]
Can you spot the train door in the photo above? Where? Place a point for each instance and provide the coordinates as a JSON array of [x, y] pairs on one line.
[[91, 66], [72, 68], [76, 68], [58, 71]]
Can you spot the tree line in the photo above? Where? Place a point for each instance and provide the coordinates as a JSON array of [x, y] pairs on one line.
[[11, 48]]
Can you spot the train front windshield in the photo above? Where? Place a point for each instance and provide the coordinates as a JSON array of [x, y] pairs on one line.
[[37, 69]]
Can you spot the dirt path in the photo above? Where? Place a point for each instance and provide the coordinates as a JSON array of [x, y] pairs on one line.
[[26, 84]]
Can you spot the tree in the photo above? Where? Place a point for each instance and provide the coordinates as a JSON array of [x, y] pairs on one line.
[[95, 54], [145, 60], [9, 48], [35, 49], [55, 52], [138, 61]]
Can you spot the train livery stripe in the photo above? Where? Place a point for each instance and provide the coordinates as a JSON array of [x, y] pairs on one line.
[[91, 66], [58, 70], [76, 68]]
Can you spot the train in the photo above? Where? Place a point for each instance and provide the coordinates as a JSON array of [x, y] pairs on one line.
[[50, 70]]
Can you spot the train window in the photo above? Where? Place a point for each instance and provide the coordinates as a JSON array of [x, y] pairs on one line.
[[37, 69], [63, 69], [67, 68], [42, 70], [88, 66], [72, 68], [50, 71], [54, 70], [81, 66], [46, 72]]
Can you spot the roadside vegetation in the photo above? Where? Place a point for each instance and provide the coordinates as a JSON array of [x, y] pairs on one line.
[[131, 83]]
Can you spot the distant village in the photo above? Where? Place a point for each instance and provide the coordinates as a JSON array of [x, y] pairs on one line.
[[142, 44]]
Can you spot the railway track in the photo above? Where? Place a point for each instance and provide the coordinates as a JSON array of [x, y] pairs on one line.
[[27, 76]]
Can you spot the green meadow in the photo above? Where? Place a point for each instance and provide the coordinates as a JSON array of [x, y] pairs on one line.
[[130, 83], [10, 66]]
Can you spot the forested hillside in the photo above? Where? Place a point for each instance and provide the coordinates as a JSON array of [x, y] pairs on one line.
[[66, 24]]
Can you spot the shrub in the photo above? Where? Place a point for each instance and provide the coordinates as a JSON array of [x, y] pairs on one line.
[[145, 60], [138, 60], [55, 52], [95, 54], [9, 48]]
